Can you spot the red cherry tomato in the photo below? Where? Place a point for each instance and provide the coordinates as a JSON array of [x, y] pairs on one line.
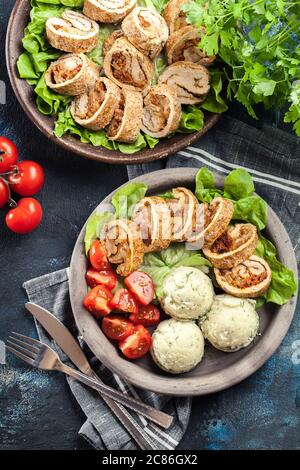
[[124, 301], [27, 178], [8, 154], [147, 315], [137, 344], [4, 193], [98, 257], [25, 217], [117, 327], [141, 286], [106, 278], [97, 301]]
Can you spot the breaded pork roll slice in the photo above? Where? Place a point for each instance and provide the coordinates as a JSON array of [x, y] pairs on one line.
[[162, 111], [249, 279], [71, 74], [236, 245], [108, 11], [125, 125], [174, 16], [191, 81], [127, 66], [123, 245], [73, 32], [95, 108], [182, 45], [146, 30]]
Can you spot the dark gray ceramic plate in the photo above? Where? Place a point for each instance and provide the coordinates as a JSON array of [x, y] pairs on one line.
[[218, 370], [24, 92]]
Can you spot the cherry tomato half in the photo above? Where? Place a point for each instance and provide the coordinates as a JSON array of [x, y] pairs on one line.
[[8, 154], [27, 178], [4, 193], [137, 344], [124, 301], [106, 278], [97, 301], [25, 217], [141, 286], [117, 327], [98, 257], [147, 315]]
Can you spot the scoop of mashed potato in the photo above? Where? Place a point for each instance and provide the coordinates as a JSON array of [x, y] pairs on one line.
[[231, 323], [188, 294], [177, 347]]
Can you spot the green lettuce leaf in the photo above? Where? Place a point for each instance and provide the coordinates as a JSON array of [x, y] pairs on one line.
[[192, 119], [159, 265], [283, 285], [125, 199], [205, 186], [214, 101], [252, 209], [93, 228], [238, 184]]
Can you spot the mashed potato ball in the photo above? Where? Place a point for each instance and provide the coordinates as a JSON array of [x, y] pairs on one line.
[[177, 347], [188, 294], [231, 323]]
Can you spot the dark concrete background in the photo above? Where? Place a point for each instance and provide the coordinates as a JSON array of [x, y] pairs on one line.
[[37, 410]]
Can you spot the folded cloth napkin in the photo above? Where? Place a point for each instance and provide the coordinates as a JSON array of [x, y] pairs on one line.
[[273, 158]]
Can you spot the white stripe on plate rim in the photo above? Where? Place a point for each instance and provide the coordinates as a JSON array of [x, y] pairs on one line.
[[226, 171], [233, 165], [153, 426]]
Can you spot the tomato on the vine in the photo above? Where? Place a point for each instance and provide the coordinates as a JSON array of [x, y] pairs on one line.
[[27, 178], [25, 217], [4, 193], [8, 154]]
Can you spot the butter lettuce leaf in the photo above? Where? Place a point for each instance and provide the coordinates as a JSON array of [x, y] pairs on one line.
[[127, 197], [94, 226]]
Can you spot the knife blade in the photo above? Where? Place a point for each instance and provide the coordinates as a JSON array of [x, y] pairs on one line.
[[60, 333]]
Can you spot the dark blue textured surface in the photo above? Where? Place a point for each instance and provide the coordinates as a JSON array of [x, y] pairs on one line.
[[37, 410]]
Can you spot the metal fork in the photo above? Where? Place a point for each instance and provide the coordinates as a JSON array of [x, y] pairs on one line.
[[40, 355]]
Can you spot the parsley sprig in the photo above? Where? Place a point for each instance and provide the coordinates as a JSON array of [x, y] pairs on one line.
[[259, 42]]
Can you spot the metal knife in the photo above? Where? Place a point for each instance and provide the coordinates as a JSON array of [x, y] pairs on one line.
[[71, 348]]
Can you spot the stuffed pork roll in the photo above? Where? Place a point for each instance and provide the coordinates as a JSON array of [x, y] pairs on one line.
[[128, 67], [191, 81], [184, 209], [123, 245], [73, 32], [153, 217], [146, 30], [126, 122], [109, 41], [71, 74], [162, 111], [108, 11], [249, 279], [182, 45], [236, 245], [95, 108], [174, 16]]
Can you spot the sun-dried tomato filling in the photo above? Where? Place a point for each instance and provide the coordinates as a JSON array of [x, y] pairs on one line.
[[156, 112], [243, 276], [117, 118], [62, 73], [128, 70]]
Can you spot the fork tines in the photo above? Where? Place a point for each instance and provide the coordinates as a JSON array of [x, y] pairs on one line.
[[25, 348]]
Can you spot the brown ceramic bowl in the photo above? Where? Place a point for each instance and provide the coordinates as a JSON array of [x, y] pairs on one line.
[[24, 92], [218, 370]]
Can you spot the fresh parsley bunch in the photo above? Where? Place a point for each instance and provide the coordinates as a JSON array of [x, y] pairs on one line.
[[259, 41]]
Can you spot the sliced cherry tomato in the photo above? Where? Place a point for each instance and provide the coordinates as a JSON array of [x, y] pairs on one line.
[[4, 193], [27, 178], [8, 154], [98, 257], [123, 300], [25, 217], [117, 327], [147, 315], [97, 301], [141, 286], [106, 278], [137, 344]]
